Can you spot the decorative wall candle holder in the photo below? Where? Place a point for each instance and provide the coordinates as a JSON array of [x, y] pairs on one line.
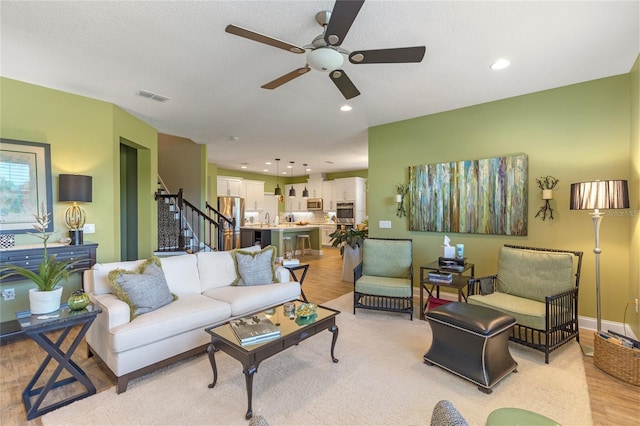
[[546, 184], [401, 192]]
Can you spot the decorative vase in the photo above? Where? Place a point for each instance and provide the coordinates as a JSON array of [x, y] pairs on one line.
[[78, 300], [44, 302]]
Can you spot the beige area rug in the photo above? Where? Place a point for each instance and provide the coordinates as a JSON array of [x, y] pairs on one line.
[[380, 379]]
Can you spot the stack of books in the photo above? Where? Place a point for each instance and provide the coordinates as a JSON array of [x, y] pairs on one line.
[[290, 262], [254, 329], [440, 277]]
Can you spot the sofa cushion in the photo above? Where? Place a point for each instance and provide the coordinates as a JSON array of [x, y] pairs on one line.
[[101, 271], [189, 312], [527, 312], [181, 273], [255, 267], [144, 289], [217, 268], [247, 299], [534, 274]]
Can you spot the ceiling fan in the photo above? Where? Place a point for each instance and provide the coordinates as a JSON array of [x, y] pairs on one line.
[[325, 53]]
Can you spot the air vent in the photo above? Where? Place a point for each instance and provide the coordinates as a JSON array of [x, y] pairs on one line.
[[153, 96]]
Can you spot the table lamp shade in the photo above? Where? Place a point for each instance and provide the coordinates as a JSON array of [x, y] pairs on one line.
[[599, 194], [75, 188]]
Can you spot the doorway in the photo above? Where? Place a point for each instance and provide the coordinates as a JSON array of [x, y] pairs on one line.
[[128, 203]]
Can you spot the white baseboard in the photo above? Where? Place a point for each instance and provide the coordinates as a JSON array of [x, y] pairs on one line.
[[586, 323]]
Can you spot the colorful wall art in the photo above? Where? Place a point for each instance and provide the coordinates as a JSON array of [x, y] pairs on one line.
[[487, 196]]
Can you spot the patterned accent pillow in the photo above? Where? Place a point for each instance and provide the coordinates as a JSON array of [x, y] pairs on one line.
[[144, 290], [255, 267]]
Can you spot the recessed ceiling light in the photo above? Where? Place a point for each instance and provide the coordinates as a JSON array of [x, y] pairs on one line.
[[265, 170], [500, 64], [268, 163], [345, 108], [243, 167]]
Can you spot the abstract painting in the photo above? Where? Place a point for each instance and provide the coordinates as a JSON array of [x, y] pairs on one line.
[[487, 196]]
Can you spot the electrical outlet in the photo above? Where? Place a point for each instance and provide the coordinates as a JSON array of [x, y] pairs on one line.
[[636, 305], [8, 294], [89, 228]]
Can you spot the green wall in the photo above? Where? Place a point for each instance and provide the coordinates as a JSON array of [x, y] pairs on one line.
[[85, 136], [634, 193], [189, 172], [574, 133]]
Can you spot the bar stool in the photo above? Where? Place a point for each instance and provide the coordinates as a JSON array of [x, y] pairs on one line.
[[287, 248], [303, 243]]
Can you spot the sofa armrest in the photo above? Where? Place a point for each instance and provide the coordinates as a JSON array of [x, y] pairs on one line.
[[115, 312], [283, 274], [482, 285]]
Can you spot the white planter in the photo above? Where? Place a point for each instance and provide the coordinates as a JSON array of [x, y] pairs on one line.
[[43, 302], [352, 258]]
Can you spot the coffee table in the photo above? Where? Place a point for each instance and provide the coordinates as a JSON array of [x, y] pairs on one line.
[[292, 331]]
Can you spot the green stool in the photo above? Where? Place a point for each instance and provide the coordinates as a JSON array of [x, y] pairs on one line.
[[517, 416]]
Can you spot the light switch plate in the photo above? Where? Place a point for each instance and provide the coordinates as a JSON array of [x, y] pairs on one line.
[[89, 228], [384, 224]]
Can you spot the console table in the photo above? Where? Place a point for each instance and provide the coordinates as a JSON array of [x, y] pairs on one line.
[[30, 256]]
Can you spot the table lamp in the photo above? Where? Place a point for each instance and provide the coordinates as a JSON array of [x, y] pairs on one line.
[[75, 189], [596, 195]]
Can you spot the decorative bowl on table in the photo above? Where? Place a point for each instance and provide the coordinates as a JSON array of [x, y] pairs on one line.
[[306, 310]]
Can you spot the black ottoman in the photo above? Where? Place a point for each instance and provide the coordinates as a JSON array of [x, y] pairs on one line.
[[471, 341]]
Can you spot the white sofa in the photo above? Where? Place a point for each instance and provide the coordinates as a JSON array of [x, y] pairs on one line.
[[202, 282]]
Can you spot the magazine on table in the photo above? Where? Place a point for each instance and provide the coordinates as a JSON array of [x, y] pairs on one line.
[[254, 329]]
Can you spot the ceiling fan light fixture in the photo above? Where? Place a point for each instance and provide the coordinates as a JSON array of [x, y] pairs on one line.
[[325, 59]]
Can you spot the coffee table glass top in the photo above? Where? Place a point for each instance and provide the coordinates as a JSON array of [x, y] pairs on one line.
[[287, 324]]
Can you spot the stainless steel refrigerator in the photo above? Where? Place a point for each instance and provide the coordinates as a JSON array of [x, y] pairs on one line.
[[231, 207]]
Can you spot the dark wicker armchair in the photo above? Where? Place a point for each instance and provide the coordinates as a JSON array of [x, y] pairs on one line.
[[539, 288], [384, 279]]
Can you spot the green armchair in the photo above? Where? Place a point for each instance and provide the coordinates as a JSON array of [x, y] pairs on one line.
[[384, 279]]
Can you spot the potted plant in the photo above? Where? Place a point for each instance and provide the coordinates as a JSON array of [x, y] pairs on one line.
[[349, 240], [46, 297]]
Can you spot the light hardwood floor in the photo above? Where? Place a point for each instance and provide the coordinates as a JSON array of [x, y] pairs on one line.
[[613, 402]]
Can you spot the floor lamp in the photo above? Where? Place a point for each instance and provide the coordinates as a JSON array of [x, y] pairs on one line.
[[596, 195]]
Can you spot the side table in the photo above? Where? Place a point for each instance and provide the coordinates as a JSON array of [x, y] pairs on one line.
[[292, 269], [459, 283], [37, 327]]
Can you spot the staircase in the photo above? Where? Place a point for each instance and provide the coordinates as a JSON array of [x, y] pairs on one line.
[[184, 228]]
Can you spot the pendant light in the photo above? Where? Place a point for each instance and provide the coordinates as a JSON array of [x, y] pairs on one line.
[[305, 193], [278, 191], [292, 191]]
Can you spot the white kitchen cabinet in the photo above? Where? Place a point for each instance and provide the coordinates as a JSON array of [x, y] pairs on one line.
[[254, 195], [326, 231], [229, 186], [297, 203], [315, 188], [350, 189], [328, 196]]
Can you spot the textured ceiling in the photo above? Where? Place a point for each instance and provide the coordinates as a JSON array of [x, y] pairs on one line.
[[111, 50]]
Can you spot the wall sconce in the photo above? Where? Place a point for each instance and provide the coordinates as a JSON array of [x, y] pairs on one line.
[[546, 184], [75, 188], [401, 192]]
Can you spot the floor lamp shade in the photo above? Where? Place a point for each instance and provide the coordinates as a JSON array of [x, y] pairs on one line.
[[600, 194], [596, 195]]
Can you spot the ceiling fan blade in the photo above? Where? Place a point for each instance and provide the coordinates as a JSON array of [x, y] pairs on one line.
[[344, 84], [343, 14], [286, 78], [388, 56], [261, 38]]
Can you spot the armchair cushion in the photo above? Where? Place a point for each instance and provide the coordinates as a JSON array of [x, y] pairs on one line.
[[383, 286], [386, 258], [534, 274]]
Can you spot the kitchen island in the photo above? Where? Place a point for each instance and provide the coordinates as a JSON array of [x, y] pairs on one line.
[[272, 235]]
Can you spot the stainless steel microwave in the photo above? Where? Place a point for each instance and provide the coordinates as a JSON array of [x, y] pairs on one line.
[[314, 204]]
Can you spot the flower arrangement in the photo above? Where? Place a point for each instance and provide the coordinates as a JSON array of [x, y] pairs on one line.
[[401, 191], [50, 272]]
